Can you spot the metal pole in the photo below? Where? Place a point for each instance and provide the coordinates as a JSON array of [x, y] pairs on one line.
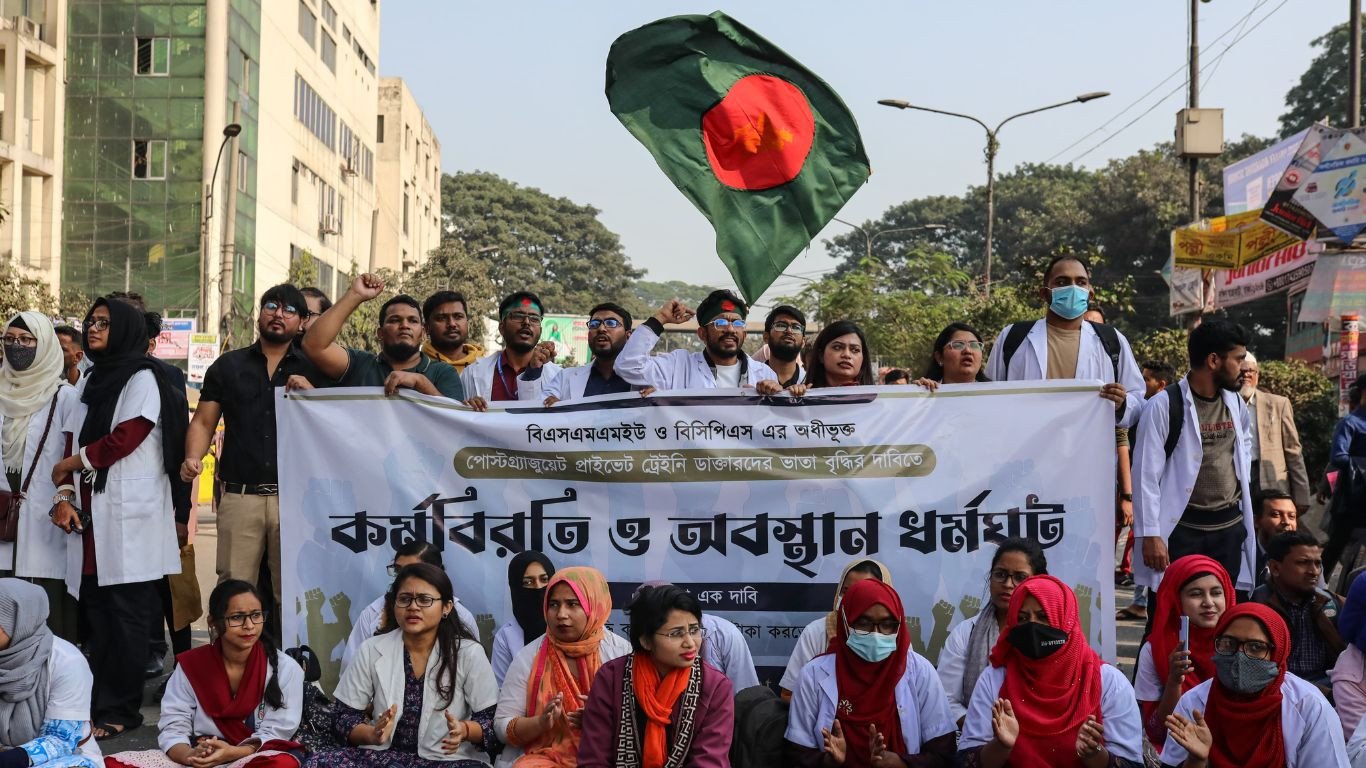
[[1354, 94], [1194, 163], [991, 208], [229, 250]]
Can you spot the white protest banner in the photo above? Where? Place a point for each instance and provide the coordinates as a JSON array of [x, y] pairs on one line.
[[755, 505]]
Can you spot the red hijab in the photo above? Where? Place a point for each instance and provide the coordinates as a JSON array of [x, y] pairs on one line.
[[1052, 696], [1247, 729], [1167, 619], [867, 689], [208, 677]]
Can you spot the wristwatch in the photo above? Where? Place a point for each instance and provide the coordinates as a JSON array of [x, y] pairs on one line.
[[67, 496], [1126, 496]]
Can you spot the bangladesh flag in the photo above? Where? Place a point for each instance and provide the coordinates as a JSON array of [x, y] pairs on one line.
[[760, 144]]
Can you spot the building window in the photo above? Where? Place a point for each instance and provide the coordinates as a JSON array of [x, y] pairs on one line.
[[314, 113], [329, 15], [405, 207], [149, 158], [324, 274], [154, 56], [329, 52], [294, 184], [379, 129], [307, 23], [346, 34], [245, 85], [243, 168]]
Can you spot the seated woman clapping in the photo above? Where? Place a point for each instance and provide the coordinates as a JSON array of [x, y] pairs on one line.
[[1251, 713], [661, 705], [421, 694], [236, 701]]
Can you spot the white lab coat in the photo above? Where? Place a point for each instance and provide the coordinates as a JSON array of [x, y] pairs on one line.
[[953, 665], [1162, 488], [367, 624], [1309, 726], [507, 642], [47, 552], [811, 643], [182, 716], [135, 537], [477, 379], [1030, 363], [571, 383], [679, 369], [375, 681]]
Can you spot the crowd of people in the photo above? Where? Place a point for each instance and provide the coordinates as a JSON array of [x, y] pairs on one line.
[[1248, 659]]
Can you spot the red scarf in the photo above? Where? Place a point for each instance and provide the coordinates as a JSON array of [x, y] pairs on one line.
[[867, 689], [208, 676], [1166, 633], [1247, 729], [1052, 696]]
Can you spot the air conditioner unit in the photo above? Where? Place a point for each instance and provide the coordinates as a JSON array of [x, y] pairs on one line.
[[26, 26], [347, 169], [329, 225]]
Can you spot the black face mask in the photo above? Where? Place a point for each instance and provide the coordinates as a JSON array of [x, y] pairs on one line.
[[1036, 641]]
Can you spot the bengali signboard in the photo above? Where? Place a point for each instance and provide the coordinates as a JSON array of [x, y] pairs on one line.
[[203, 351], [174, 341]]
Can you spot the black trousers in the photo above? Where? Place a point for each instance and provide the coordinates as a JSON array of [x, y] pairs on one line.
[[1226, 546], [180, 638], [119, 617]]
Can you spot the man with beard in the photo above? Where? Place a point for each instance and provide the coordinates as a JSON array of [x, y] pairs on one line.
[[523, 370], [722, 365], [1193, 461], [609, 325], [785, 333], [240, 387], [448, 331], [400, 363]]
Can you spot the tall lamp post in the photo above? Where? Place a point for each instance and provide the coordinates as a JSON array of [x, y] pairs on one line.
[[229, 131], [992, 146], [870, 237]]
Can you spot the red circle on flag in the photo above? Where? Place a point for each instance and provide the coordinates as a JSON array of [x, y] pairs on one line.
[[759, 135]]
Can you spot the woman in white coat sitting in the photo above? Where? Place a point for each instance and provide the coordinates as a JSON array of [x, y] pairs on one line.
[[235, 701], [422, 693]]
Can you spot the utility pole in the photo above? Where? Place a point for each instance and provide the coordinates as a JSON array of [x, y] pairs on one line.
[[229, 249], [1354, 92], [1193, 163]]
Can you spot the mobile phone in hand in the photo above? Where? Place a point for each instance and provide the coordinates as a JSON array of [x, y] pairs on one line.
[[1185, 636]]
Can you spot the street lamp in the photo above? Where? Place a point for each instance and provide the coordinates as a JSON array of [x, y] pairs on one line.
[[869, 238], [992, 146], [229, 131]]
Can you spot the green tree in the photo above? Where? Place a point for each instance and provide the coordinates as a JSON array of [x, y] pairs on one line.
[[1165, 345], [1314, 398], [648, 296], [530, 240], [22, 293], [1321, 94], [451, 268]]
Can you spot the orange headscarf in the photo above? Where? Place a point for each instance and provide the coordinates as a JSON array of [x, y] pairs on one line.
[[567, 668]]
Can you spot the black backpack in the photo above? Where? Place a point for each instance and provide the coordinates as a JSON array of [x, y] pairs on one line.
[[760, 725], [1109, 339], [1176, 416]]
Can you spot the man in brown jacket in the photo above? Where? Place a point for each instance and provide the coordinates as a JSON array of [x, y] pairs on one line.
[[1277, 461]]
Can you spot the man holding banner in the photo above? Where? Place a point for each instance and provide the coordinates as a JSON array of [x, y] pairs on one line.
[[723, 365]]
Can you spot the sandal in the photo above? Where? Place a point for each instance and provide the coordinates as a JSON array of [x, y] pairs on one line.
[[1129, 614], [110, 731]]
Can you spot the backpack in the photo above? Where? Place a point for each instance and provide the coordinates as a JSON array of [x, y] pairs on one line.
[[1109, 339], [1176, 416], [760, 725], [315, 726]]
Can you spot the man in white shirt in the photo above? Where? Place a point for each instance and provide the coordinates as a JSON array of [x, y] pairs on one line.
[[609, 326], [785, 334], [523, 370], [722, 365]]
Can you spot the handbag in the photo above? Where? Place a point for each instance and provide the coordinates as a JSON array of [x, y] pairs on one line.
[[10, 502]]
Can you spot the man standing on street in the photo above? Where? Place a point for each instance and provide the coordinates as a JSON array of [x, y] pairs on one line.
[[722, 365], [1277, 461], [1192, 463], [609, 325], [785, 334], [400, 363], [524, 369], [448, 331]]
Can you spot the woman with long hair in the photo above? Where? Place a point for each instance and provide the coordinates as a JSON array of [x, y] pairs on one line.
[[1047, 699], [968, 648], [235, 699], [840, 358], [663, 704], [1251, 712], [528, 578], [817, 636], [420, 694], [1198, 588], [128, 449], [870, 701], [957, 357], [540, 707]]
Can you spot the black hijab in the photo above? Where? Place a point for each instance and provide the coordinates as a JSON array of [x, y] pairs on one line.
[[123, 357], [528, 605]]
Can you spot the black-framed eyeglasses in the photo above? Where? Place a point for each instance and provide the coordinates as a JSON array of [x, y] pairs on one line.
[[1001, 576], [423, 601], [98, 325], [21, 341], [862, 626], [722, 323], [524, 317], [610, 322], [1253, 649], [959, 346], [695, 632], [241, 619], [783, 327], [288, 310]]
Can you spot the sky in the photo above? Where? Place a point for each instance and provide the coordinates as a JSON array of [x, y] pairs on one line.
[[516, 88]]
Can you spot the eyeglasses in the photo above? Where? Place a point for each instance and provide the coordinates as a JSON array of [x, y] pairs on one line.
[[288, 310], [866, 627], [1253, 649], [1001, 576], [21, 341], [98, 325], [423, 601], [677, 635], [610, 322], [784, 327], [959, 346], [722, 323], [523, 317], [241, 619]]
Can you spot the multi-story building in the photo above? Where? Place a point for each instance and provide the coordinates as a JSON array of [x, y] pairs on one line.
[[32, 76], [409, 180]]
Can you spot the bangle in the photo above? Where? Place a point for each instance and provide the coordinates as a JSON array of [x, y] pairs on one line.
[[512, 732], [1126, 496]]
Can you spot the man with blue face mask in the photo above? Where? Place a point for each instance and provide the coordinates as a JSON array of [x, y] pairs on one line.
[[1065, 346]]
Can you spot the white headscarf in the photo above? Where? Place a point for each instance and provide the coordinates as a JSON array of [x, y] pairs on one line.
[[24, 393]]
